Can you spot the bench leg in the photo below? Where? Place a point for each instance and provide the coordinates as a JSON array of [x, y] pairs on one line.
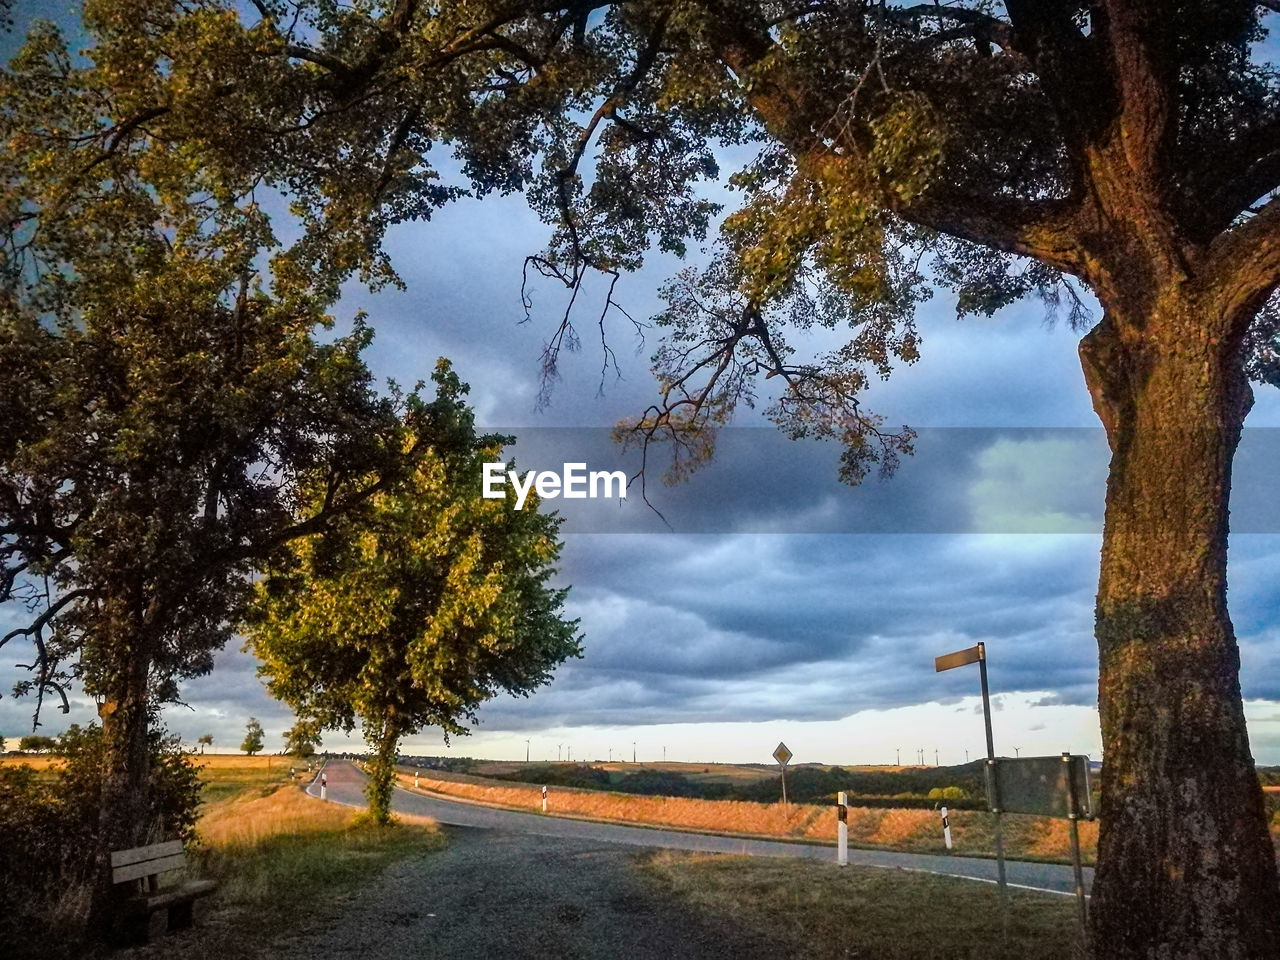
[[180, 915]]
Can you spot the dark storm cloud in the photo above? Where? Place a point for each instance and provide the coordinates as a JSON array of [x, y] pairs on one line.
[[751, 628], [959, 480]]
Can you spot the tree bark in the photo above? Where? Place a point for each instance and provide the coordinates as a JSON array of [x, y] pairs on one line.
[[125, 815], [382, 775], [1186, 867]]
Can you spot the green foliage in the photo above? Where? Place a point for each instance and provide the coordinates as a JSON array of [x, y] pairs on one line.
[[420, 607], [252, 742], [301, 739], [168, 374], [50, 822], [163, 390], [36, 743]]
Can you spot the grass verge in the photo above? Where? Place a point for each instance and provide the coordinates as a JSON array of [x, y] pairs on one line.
[[282, 860], [914, 831], [822, 912]]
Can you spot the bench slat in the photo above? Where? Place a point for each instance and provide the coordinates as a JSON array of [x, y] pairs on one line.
[[188, 891], [148, 868], [122, 858]]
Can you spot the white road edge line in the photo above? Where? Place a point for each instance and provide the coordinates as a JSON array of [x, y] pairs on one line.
[[877, 865]]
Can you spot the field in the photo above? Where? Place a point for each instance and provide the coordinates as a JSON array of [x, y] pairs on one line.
[[37, 762], [1034, 838], [705, 772]]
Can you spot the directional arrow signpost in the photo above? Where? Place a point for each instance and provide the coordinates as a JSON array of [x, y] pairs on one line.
[[783, 756], [961, 658]]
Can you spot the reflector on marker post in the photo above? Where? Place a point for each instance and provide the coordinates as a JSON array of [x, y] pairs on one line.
[[842, 829]]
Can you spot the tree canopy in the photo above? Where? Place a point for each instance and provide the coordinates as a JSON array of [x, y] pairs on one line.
[[168, 377], [420, 607], [301, 739], [253, 735]]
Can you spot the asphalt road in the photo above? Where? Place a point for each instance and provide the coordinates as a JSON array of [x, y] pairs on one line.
[[346, 785]]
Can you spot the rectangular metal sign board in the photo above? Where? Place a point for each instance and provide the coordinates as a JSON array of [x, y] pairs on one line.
[[1044, 786], [782, 754], [958, 659]]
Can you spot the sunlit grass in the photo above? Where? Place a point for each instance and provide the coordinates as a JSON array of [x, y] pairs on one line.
[[280, 859], [919, 831], [276, 853], [822, 912]]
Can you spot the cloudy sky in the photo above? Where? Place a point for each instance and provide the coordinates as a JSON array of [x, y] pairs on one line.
[[774, 602]]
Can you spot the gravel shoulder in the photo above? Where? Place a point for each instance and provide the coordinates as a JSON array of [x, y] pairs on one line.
[[522, 896]]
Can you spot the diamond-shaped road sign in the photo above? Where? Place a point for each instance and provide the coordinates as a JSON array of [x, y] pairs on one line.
[[782, 754]]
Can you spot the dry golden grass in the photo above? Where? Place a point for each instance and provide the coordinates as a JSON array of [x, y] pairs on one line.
[[920, 831], [246, 819], [281, 859], [714, 815], [34, 761]]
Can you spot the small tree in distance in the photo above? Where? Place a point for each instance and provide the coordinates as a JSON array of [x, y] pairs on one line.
[[302, 739], [205, 740], [36, 743], [252, 737], [416, 611]]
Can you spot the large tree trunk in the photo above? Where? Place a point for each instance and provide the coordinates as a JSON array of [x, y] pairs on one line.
[[1186, 867], [125, 812]]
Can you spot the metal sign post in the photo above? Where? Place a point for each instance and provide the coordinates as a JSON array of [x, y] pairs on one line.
[[1073, 792], [783, 756], [1050, 787], [978, 654]]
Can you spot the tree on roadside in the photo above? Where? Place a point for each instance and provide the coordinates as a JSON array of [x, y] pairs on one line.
[[430, 602], [205, 740], [253, 737], [301, 740], [162, 391]]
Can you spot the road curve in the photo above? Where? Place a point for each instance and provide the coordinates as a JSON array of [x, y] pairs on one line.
[[346, 786]]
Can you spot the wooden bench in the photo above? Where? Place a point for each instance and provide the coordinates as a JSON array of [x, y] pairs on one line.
[[142, 867]]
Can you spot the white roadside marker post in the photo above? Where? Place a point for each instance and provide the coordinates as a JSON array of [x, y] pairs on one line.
[[544, 799], [842, 829], [946, 828], [415, 779], [324, 787]]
